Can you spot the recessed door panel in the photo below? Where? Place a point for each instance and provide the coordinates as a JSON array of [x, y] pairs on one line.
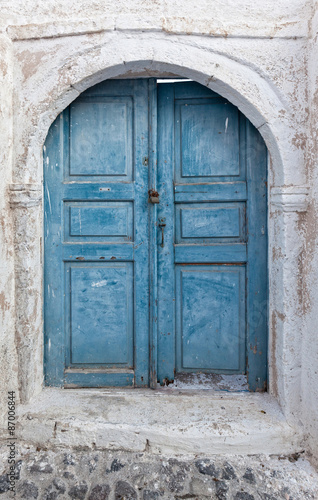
[[101, 137], [100, 306], [207, 139], [201, 222], [210, 326], [98, 221]]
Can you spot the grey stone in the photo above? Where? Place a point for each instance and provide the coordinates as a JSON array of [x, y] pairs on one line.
[[59, 485], [201, 489], [140, 481], [28, 490], [166, 470], [286, 490], [4, 483], [178, 463], [115, 466], [51, 495], [159, 477], [41, 466], [188, 496], [228, 471], [100, 492], [78, 491], [249, 476], [207, 468], [176, 482], [124, 491], [92, 464], [150, 495], [68, 475], [221, 490], [68, 459], [242, 495], [18, 467]]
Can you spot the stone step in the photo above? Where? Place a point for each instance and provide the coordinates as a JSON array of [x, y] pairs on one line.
[[160, 421], [108, 475]]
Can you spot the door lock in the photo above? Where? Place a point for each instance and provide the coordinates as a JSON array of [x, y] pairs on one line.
[[153, 196]]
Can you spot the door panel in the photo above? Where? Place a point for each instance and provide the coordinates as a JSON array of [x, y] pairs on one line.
[[96, 239], [103, 221], [101, 137], [99, 314], [210, 314], [210, 159], [207, 137], [200, 222]]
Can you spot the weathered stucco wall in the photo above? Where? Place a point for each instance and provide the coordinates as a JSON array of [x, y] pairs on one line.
[[310, 257], [259, 55], [8, 360]]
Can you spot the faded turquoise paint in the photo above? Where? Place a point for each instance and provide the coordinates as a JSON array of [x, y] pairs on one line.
[[88, 221], [212, 270], [99, 314], [198, 258], [96, 239], [210, 318], [202, 222]]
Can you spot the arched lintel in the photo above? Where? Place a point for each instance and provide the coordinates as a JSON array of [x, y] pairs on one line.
[[255, 97]]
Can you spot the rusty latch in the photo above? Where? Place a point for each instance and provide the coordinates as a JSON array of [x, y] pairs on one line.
[[153, 196]]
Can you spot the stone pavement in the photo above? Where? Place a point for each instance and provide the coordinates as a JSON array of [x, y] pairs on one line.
[[115, 475]]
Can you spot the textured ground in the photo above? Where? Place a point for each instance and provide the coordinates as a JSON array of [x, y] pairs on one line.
[[100, 475]]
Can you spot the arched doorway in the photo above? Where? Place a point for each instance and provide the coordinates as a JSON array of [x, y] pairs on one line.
[[155, 238]]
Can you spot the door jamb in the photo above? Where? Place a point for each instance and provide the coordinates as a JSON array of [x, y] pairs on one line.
[[153, 250]]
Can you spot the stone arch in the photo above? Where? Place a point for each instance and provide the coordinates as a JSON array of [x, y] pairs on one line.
[[240, 83], [55, 84]]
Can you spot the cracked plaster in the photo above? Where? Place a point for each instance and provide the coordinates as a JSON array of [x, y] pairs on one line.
[[260, 56]]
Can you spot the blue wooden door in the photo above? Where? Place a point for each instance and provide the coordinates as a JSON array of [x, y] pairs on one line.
[[212, 266], [136, 292], [96, 239]]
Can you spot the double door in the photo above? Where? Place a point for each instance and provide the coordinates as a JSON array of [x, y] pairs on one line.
[[155, 238]]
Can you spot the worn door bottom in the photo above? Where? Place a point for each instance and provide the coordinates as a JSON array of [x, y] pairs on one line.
[[209, 381]]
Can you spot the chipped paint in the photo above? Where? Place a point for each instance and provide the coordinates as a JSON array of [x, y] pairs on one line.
[[261, 57]]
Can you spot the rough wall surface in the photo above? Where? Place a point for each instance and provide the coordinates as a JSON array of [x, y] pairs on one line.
[[259, 55], [310, 257], [8, 362]]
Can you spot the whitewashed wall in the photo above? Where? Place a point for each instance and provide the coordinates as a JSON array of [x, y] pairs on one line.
[[259, 55], [309, 260]]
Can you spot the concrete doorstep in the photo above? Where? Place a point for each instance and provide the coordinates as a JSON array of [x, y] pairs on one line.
[[163, 421], [171, 443]]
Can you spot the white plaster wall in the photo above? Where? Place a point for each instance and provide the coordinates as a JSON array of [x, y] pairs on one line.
[[260, 55], [8, 359], [310, 258]]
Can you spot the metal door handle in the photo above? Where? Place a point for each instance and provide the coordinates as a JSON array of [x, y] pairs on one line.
[[162, 227]]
